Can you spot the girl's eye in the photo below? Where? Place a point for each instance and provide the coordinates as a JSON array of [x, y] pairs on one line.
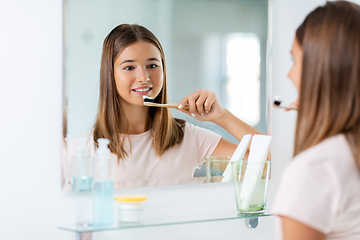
[[152, 66], [129, 68]]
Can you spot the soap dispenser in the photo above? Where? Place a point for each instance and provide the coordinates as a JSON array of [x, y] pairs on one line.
[[103, 186], [81, 168]]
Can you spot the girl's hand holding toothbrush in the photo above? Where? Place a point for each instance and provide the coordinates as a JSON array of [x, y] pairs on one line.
[[296, 103], [203, 105]]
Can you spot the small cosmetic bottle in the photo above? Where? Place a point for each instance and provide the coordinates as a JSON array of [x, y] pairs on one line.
[[129, 208], [81, 169]]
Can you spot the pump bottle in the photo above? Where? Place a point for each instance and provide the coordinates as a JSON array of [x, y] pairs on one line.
[[103, 186]]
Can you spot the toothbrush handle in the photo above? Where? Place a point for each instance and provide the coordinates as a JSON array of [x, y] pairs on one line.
[[168, 105], [289, 107]]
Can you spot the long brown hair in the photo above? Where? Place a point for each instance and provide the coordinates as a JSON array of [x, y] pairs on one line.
[[166, 130], [330, 82]]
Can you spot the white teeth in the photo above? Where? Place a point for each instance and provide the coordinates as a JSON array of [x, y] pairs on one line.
[[142, 90]]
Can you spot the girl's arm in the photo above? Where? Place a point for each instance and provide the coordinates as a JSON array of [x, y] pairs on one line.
[[294, 230], [205, 106]]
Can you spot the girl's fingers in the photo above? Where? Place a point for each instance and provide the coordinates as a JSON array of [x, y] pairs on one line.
[[296, 103], [182, 103], [191, 103], [209, 102], [200, 102]]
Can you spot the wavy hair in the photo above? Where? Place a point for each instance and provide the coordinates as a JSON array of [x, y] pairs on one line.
[[330, 82], [166, 130]]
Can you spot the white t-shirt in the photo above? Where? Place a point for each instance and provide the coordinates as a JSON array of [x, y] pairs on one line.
[[321, 188], [144, 167]]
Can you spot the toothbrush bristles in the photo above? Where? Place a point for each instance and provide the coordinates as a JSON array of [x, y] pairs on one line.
[[276, 102], [148, 99]]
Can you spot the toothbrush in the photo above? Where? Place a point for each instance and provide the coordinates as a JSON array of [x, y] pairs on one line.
[[148, 101], [277, 103]]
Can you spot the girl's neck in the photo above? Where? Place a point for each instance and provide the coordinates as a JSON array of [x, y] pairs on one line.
[[136, 117]]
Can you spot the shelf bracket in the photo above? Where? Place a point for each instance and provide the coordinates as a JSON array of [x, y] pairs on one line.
[[252, 222]]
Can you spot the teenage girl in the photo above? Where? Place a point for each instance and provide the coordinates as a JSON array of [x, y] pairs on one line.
[[147, 143], [319, 193]]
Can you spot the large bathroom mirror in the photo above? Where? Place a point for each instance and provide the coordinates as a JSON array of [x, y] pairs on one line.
[[218, 45]]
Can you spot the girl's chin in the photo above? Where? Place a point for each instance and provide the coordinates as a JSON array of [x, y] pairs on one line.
[[137, 102]]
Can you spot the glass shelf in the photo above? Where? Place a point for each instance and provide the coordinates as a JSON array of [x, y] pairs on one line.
[[153, 222]]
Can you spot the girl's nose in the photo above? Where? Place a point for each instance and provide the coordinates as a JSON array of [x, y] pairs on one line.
[[146, 79], [143, 76]]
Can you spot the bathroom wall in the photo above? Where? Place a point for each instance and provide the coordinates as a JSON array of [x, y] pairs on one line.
[[32, 205], [31, 119]]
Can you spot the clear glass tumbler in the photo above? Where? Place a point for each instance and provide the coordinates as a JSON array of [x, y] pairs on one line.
[[250, 181], [215, 168]]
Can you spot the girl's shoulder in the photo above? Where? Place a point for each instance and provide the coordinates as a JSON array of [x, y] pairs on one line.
[[331, 157], [331, 149]]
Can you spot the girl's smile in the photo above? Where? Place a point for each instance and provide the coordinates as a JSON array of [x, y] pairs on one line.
[[142, 90]]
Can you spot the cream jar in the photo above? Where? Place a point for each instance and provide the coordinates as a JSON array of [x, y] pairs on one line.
[[129, 208]]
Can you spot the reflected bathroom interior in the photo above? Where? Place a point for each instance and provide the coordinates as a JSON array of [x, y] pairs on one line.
[[216, 45]]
